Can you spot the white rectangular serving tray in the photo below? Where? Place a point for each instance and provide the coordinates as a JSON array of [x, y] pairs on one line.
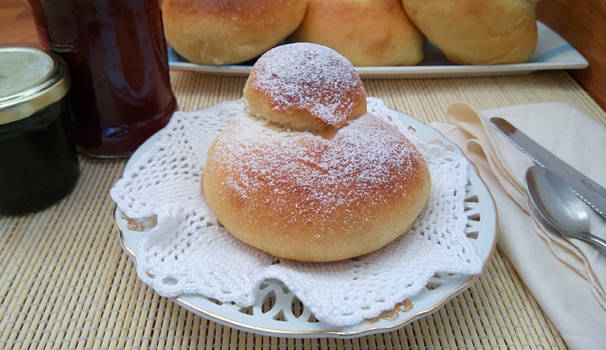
[[552, 52]]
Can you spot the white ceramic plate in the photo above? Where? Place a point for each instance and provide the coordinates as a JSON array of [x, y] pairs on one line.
[[277, 311], [552, 52]]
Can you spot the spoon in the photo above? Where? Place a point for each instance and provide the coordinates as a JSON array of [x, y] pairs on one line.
[[558, 206]]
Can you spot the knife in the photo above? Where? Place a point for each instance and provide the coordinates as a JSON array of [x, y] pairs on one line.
[[586, 189]]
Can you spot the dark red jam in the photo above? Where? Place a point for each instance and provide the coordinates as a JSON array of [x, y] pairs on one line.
[[116, 55]]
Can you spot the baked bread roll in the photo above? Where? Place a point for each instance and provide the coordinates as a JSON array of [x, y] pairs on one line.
[[226, 32], [313, 193], [366, 32], [304, 87], [478, 31]]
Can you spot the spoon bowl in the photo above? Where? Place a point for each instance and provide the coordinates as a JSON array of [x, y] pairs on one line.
[[558, 206]]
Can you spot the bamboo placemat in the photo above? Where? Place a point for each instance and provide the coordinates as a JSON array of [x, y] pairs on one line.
[[66, 284]]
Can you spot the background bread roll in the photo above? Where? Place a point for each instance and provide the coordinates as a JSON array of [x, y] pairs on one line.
[[366, 32], [228, 31], [478, 31], [313, 196]]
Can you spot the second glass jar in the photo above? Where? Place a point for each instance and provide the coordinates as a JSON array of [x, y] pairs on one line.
[[116, 55]]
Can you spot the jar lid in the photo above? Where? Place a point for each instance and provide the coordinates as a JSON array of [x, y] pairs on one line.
[[30, 79]]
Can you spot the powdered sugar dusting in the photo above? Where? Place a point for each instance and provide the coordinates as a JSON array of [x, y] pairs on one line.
[[309, 77], [364, 163], [189, 248]]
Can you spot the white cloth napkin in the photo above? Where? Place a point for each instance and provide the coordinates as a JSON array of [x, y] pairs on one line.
[[567, 277]]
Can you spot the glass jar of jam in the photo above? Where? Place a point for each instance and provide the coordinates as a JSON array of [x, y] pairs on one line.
[[116, 55], [38, 157]]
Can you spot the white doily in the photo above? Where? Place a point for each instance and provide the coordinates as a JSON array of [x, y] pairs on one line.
[[188, 251]]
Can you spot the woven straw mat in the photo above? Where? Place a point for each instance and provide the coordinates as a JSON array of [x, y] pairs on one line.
[[65, 282]]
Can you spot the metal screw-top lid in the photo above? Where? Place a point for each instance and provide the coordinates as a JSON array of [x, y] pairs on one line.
[[30, 79]]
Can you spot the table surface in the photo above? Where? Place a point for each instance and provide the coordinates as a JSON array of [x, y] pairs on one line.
[[65, 282]]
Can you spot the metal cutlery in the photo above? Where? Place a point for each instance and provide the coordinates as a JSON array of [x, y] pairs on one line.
[[557, 205], [586, 189]]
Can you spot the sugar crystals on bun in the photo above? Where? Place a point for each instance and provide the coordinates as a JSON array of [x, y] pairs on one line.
[[307, 174]]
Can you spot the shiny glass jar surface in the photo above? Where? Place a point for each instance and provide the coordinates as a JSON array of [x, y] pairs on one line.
[[116, 55], [38, 159]]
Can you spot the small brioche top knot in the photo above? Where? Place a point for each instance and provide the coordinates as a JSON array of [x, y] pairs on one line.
[[304, 86]]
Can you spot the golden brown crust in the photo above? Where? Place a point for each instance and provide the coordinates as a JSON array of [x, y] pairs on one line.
[[304, 87], [300, 196], [477, 31], [368, 33], [228, 32], [348, 187]]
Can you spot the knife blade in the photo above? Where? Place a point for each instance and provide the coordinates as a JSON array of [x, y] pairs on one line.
[[585, 188]]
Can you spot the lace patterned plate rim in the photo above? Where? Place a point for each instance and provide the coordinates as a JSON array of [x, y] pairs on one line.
[[277, 311]]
